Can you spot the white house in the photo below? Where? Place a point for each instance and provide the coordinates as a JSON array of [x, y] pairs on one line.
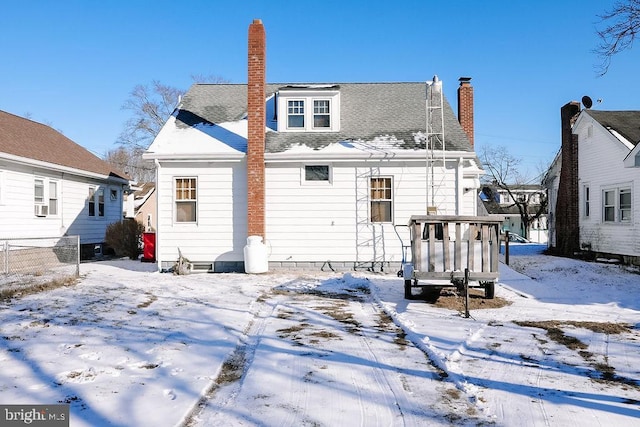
[[607, 189], [51, 187], [327, 174], [499, 201]]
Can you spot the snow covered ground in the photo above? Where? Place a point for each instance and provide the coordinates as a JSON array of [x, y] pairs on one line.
[[128, 346]]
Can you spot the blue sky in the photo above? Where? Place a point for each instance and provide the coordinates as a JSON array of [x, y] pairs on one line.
[[71, 64]]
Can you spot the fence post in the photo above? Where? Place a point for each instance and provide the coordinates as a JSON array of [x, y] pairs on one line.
[[78, 256], [506, 247], [6, 257]]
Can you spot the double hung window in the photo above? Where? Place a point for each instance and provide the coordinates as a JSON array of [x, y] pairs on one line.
[[185, 199], [616, 204], [381, 198]]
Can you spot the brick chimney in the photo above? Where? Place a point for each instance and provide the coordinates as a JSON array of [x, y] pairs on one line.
[[256, 130], [567, 205], [465, 107]]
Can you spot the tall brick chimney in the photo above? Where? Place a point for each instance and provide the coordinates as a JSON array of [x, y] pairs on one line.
[[256, 130], [465, 107], [567, 205]]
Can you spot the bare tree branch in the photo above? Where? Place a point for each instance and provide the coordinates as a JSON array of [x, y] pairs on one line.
[[622, 26], [503, 173]]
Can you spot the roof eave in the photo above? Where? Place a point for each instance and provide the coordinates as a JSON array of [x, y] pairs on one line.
[[59, 168]]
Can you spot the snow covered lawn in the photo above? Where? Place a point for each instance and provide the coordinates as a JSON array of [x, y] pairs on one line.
[[129, 346]]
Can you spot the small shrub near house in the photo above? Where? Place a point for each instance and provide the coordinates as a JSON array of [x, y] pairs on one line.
[[125, 238]]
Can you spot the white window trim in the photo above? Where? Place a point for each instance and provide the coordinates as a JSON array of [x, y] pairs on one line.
[[586, 201], [616, 203], [371, 200], [96, 203], [308, 96], [46, 196], [303, 175], [175, 201]]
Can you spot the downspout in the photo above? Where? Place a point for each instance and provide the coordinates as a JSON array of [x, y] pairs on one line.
[[158, 260], [63, 229], [459, 185]]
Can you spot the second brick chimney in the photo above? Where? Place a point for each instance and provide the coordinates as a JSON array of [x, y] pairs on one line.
[[256, 130], [465, 107]]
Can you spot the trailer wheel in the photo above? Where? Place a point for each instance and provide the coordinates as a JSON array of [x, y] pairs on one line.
[[489, 290], [407, 289]]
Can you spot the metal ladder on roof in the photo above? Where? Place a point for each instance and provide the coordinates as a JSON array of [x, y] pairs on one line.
[[435, 147]]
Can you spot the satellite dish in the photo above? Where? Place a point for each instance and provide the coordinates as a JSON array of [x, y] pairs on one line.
[[587, 102]]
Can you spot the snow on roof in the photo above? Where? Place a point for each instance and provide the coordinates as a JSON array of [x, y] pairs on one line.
[[223, 139]]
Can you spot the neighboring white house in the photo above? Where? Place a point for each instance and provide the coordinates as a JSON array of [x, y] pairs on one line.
[[51, 187], [327, 174], [608, 182], [500, 202]]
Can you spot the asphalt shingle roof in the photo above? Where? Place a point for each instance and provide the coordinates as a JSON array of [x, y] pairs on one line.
[[626, 123], [32, 140], [368, 110]]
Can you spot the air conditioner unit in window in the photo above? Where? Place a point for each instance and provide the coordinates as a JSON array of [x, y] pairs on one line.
[[41, 210]]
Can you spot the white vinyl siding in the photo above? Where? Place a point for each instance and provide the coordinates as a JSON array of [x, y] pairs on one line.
[[221, 229], [304, 223], [71, 218], [613, 226], [186, 199]]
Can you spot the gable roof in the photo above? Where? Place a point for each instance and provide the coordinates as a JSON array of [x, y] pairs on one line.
[[27, 139], [369, 111], [625, 123]]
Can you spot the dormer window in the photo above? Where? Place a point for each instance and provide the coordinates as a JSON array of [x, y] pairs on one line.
[[295, 114], [308, 109], [321, 113]]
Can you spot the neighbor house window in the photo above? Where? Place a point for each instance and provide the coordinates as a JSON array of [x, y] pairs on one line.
[[96, 202], [609, 206], [625, 204], [321, 114], [587, 201], [39, 191], [186, 199], [295, 113], [381, 200], [616, 205], [53, 198], [316, 173]]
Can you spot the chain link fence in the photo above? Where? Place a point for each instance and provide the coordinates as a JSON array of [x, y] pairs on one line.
[[29, 262]]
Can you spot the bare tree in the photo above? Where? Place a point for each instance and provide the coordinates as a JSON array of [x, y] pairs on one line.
[[622, 26], [150, 105], [504, 173], [129, 160]]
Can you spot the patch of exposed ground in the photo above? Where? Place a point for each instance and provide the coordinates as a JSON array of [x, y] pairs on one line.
[[606, 372], [15, 292], [453, 300]]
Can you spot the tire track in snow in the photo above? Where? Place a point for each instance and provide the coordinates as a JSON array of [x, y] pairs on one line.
[[233, 369]]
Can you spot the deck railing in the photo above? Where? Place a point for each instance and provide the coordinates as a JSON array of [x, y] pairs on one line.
[[443, 247]]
